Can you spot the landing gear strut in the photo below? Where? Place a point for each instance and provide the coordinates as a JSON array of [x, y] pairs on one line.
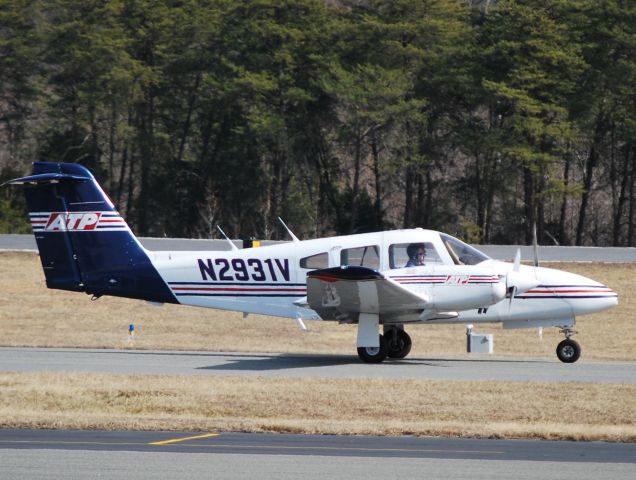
[[568, 350]]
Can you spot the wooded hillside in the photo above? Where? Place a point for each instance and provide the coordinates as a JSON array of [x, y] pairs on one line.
[[477, 118]]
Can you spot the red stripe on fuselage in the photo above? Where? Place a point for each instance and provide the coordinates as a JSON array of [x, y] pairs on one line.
[[572, 291]]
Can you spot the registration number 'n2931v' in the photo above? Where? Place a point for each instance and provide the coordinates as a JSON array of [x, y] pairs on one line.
[[242, 270]]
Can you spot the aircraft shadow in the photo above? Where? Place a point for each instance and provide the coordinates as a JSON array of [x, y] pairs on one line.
[[282, 362], [291, 361]]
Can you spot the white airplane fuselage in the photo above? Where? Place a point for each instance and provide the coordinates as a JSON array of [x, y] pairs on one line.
[[269, 280]]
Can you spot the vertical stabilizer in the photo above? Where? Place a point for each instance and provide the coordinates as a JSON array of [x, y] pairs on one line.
[[84, 244]]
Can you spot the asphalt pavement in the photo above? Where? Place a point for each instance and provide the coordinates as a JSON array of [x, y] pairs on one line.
[[482, 367], [36, 454]]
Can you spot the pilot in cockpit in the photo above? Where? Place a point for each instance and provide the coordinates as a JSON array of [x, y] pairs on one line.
[[417, 254]]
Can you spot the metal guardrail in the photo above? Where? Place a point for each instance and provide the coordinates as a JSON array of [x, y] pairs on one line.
[[27, 242], [500, 252], [562, 254]]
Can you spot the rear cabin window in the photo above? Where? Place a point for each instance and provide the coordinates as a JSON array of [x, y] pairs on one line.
[[320, 260], [361, 256], [399, 254]]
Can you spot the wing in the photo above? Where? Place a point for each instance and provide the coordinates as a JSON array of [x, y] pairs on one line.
[[341, 293]]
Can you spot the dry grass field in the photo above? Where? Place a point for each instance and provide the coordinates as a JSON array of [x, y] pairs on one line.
[[32, 315], [319, 405]]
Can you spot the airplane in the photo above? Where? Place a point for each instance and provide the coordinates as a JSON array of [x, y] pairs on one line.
[[371, 279]]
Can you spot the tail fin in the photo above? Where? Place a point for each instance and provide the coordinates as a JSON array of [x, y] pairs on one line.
[[84, 244]]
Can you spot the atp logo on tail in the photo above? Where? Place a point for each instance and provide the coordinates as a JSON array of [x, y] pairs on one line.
[[72, 222], [57, 222]]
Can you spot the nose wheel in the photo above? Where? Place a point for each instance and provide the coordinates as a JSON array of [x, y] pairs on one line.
[[568, 350]]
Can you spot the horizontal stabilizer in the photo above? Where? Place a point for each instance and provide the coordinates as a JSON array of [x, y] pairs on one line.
[[47, 178]]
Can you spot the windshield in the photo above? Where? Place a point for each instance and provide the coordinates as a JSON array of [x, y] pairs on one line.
[[462, 253]]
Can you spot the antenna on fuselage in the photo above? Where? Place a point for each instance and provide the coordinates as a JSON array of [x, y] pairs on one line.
[[234, 247], [291, 234]]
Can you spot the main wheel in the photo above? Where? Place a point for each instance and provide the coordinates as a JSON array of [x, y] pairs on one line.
[[373, 354], [398, 343], [568, 351]]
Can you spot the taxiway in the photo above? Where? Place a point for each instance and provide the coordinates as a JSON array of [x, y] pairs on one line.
[[42, 454], [306, 365]]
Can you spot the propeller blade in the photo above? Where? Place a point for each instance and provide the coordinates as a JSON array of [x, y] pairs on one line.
[[535, 244], [517, 265], [511, 293], [517, 282]]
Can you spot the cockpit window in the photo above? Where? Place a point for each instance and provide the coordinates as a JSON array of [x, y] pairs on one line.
[[462, 253], [413, 254]]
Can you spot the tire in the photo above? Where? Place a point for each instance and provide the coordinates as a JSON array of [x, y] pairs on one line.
[[398, 343], [373, 354], [568, 351]]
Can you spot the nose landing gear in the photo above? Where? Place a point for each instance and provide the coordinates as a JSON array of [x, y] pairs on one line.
[[568, 350]]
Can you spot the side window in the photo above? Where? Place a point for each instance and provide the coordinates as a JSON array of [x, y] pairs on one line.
[[320, 260], [410, 254], [361, 256]]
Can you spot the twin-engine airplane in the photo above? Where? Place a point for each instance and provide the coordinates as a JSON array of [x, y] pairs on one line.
[[387, 279]]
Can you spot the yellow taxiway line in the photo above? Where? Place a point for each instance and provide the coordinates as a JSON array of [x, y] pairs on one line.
[[183, 439]]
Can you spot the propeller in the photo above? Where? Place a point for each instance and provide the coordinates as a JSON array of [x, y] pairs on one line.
[[535, 249], [518, 282], [511, 288]]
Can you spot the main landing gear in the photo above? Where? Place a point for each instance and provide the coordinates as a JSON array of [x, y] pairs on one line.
[[398, 342], [395, 343], [374, 354], [568, 350]]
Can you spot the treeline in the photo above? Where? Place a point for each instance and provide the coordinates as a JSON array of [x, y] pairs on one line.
[[478, 118]]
